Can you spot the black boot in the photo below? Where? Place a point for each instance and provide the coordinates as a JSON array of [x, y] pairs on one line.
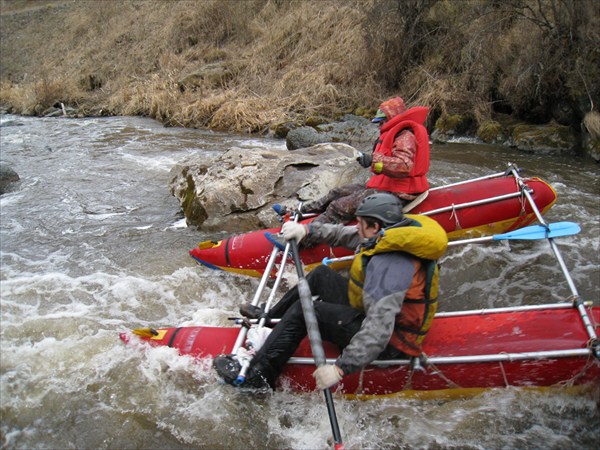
[[228, 368], [251, 311]]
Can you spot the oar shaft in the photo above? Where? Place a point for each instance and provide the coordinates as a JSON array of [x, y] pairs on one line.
[[326, 261], [471, 241], [578, 301], [278, 279], [263, 282], [314, 336]]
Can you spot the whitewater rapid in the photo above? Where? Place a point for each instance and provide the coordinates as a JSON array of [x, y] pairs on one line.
[[93, 244]]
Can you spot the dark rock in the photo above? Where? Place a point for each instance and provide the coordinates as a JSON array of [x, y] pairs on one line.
[[303, 137], [8, 178], [544, 138], [352, 130]]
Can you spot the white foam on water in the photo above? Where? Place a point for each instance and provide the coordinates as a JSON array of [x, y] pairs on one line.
[[181, 223]]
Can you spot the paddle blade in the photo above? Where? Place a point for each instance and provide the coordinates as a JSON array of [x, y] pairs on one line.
[[541, 232], [145, 332]]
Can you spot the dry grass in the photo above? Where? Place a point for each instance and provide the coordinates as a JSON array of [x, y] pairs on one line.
[[592, 124], [248, 65]]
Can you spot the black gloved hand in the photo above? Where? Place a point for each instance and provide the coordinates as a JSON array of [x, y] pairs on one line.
[[364, 159]]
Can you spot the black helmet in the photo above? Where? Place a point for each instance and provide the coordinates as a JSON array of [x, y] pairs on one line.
[[383, 206]]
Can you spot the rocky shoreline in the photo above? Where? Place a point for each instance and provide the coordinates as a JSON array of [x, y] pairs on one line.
[[547, 138], [358, 132]]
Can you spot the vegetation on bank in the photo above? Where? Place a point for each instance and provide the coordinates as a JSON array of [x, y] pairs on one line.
[[249, 66]]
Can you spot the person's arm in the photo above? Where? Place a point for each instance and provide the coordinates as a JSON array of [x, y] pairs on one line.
[[336, 235], [389, 276], [364, 347], [373, 336], [400, 162]]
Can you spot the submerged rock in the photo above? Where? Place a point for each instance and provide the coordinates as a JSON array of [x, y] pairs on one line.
[[7, 179], [544, 138], [235, 191]]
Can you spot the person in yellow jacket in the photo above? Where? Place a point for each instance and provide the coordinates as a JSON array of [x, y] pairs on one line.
[[382, 311]]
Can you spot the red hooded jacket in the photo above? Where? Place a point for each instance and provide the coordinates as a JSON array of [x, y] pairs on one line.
[[416, 182]]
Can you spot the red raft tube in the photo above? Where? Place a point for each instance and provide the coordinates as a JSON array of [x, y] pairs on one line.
[[543, 346], [480, 207]]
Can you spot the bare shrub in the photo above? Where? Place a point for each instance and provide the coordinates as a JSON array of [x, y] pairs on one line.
[[591, 121], [550, 55], [397, 35], [37, 96], [244, 114], [290, 60]]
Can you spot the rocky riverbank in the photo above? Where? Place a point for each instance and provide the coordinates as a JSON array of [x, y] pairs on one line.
[[547, 138]]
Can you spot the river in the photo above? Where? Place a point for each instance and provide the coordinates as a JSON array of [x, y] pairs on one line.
[[93, 244]]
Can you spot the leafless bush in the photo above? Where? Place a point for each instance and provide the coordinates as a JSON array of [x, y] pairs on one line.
[[290, 60]]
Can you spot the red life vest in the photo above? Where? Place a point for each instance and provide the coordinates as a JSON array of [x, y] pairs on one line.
[[416, 182]]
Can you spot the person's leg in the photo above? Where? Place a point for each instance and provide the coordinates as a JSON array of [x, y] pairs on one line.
[[337, 324], [320, 205], [280, 345], [324, 282], [343, 209], [269, 360]]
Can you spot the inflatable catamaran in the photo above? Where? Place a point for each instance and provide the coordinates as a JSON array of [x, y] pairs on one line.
[[464, 353], [479, 207], [535, 346]]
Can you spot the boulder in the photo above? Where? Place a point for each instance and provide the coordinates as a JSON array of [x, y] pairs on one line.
[[235, 192], [544, 138], [353, 130], [591, 134], [7, 179]]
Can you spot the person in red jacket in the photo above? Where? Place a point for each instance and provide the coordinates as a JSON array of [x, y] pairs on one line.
[[399, 162]]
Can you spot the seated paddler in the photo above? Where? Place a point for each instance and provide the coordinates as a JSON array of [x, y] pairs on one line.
[[383, 310]]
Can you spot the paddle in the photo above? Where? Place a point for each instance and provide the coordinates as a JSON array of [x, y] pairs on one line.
[[532, 232], [529, 233], [416, 202], [314, 336]]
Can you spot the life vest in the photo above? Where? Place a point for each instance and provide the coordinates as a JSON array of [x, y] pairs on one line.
[[416, 182], [427, 240]]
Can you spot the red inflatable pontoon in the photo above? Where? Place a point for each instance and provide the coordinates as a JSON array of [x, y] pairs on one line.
[[466, 352], [481, 207]]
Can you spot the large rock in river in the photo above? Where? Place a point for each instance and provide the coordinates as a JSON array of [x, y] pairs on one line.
[[8, 178], [235, 191]]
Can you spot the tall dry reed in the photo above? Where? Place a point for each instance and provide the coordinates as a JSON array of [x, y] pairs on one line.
[[249, 65]]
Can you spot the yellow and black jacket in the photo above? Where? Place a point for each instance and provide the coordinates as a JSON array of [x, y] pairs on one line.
[[424, 240], [393, 282]]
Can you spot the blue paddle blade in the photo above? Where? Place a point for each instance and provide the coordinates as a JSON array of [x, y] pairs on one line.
[[541, 232]]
